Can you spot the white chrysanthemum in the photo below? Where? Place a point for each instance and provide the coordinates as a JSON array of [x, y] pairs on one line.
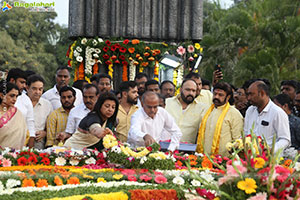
[[207, 176], [92, 62], [104, 154], [178, 180], [116, 149], [76, 53], [97, 50], [11, 183], [95, 42], [78, 49], [83, 41], [100, 40], [79, 59], [74, 162], [143, 159], [89, 161], [195, 183], [60, 161], [96, 55], [199, 154]]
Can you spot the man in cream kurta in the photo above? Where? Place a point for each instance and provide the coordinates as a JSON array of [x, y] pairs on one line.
[[231, 123], [187, 111], [129, 97]]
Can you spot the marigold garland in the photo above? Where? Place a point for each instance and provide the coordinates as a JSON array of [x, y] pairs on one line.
[[101, 196], [124, 74], [95, 68], [81, 72], [153, 194]]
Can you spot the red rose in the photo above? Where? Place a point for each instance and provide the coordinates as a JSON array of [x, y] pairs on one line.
[[108, 62], [126, 41], [113, 57], [22, 161], [107, 42], [46, 161], [122, 49], [117, 45], [113, 48], [117, 62], [105, 49], [124, 63], [149, 148], [106, 57], [122, 57]]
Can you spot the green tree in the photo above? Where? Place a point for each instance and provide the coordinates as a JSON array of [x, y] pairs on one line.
[[254, 39], [32, 41]]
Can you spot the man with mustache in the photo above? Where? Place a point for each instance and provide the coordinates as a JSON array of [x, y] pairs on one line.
[[149, 122], [129, 98], [204, 96], [141, 79], [90, 97], [62, 78], [186, 110], [269, 120], [57, 120], [220, 124]]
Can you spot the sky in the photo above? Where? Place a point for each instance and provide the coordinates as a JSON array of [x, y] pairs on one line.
[[62, 8]]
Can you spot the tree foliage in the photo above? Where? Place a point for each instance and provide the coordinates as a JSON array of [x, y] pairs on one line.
[[32, 41], [253, 39]]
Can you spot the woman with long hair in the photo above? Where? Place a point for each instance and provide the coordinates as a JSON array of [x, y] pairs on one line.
[[99, 122], [12, 123]]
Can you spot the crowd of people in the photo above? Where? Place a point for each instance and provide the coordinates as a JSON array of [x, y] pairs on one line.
[[144, 111]]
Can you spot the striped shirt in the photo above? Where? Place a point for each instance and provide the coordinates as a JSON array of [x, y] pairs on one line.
[[56, 123]]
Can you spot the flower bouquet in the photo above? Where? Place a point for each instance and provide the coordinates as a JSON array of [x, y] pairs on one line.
[[260, 174]]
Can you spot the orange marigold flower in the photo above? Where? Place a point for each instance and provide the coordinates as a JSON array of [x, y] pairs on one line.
[[58, 181], [146, 54], [65, 174], [135, 41], [140, 58], [287, 162], [157, 51], [147, 48], [145, 64], [42, 183], [28, 183], [73, 181], [131, 50], [135, 62], [193, 163], [206, 163], [137, 55], [192, 157], [151, 59], [179, 163]]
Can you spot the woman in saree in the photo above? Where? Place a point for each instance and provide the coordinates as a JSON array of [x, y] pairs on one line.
[[99, 122], [12, 123]]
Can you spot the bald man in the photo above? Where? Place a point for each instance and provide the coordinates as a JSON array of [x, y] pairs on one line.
[[148, 123], [265, 118]]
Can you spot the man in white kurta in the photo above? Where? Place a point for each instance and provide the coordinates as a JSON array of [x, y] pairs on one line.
[[148, 123]]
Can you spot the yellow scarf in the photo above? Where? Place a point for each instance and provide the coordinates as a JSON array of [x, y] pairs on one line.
[[217, 134]]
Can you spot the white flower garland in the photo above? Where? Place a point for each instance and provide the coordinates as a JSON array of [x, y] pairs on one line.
[[132, 70], [63, 187]]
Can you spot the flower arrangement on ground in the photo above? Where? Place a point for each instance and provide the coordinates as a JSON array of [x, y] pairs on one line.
[[141, 158], [260, 174]]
